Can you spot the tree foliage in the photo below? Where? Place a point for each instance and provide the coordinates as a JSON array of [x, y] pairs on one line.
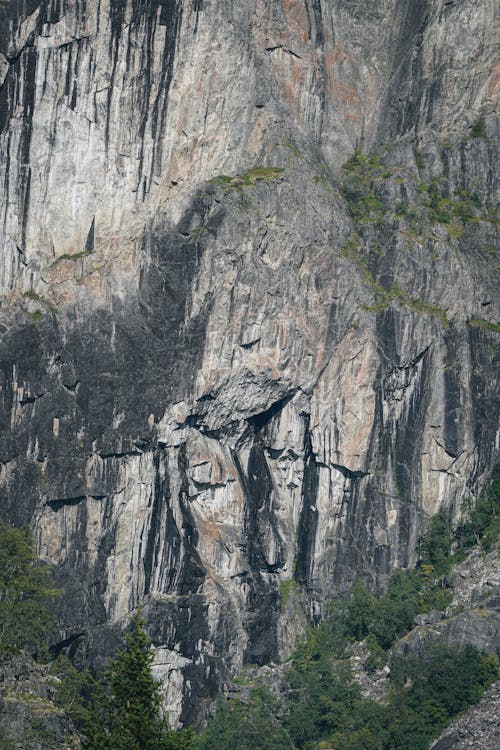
[[323, 704], [482, 526], [125, 709], [435, 545], [25, 592], [255, 725]]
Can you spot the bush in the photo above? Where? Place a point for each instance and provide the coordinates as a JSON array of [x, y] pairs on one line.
[[435, 546], [445, 680], [478, 130], [483, 524]]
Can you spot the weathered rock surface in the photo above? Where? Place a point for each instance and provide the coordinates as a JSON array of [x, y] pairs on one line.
[[473, 618], [479, 728], [220, 371], [474, 615], [476, 580], [30, 719]]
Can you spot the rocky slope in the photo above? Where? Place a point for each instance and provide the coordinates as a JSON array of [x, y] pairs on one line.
[[473, 617], [30, 719], [477, 729], [226, 362]]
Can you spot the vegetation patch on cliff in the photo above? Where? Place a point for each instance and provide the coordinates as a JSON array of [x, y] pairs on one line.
[[384, 296], [246, 179], [485, 325], [393, 210], [34, 297], [322, 706], [71, 256], [375, 194]]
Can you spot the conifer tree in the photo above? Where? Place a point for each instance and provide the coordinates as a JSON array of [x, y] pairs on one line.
[[126, 715], [25, 591]]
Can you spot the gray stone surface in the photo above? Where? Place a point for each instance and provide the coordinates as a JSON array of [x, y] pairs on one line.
[[473, 618], [478, 729], [29, 717], [474, 615], [213, 385]]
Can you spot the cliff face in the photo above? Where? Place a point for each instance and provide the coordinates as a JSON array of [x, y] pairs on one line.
[[30, 719], [226, 362]]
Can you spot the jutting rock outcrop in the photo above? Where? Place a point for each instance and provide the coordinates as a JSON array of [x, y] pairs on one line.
[[229, 362]]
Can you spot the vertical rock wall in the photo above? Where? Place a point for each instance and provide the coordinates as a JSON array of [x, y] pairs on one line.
[[218, 376]]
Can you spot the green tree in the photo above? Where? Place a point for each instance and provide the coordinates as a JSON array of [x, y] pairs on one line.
[[25, 590], [255, 725], [125, 714], [361, 609], [6, 742], [435, 545]]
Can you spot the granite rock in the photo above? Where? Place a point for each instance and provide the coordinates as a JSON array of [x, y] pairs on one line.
[[226, 363]]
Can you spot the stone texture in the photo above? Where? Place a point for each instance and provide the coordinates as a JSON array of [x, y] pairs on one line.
[[206, 388], [476, 580], [478, 728], [473, 618], [29, 717]]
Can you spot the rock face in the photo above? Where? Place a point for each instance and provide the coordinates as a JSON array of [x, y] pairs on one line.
[[472, 618], [477, 729], [227, 363], [30, 719], [474, 615]]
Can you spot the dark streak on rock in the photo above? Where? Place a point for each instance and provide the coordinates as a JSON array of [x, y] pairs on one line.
[[308, 523], [192, 571], [120, 454], [150, 557]]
